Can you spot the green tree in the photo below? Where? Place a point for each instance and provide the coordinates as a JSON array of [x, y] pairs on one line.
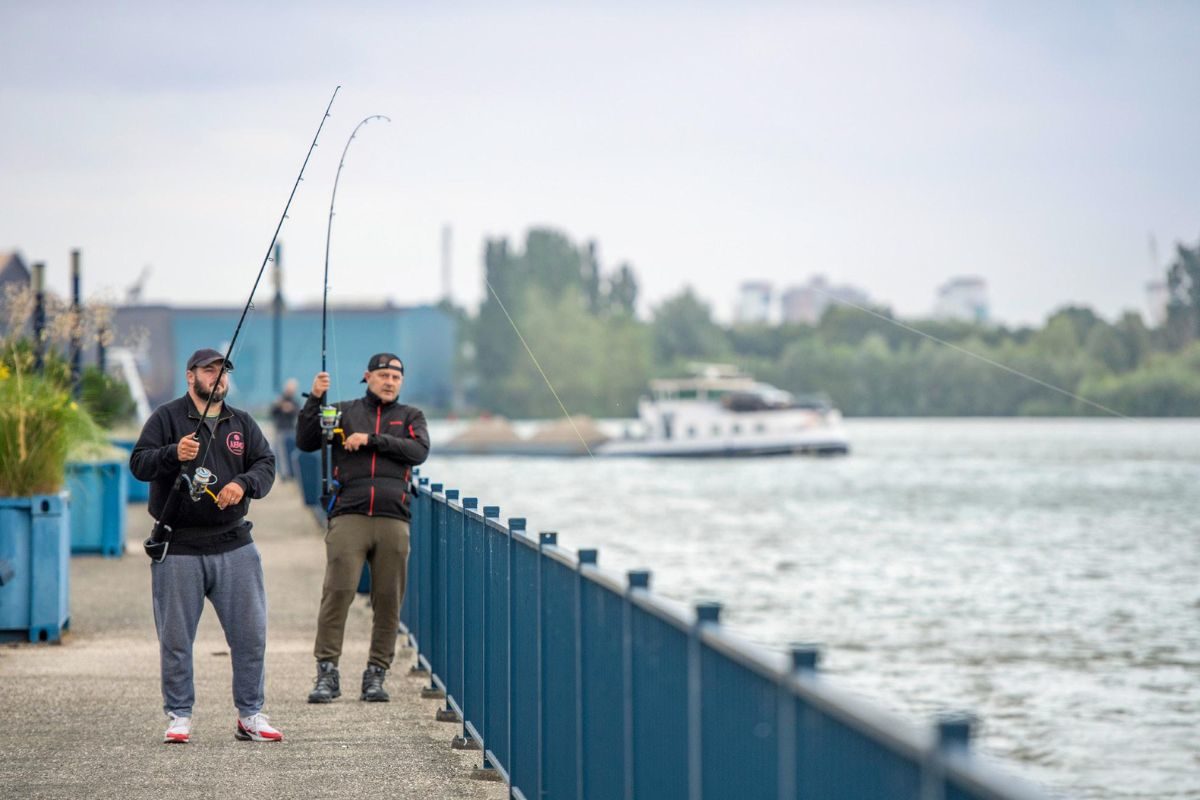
[[492, 334], [683, 329], [1106, 346], [1060, 337], [596, 366], [591, 279], [622, 291], [1183, 285], [1082, 320], [1135, 337], [1166, 385]]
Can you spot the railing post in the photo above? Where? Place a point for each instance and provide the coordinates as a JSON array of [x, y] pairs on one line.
[[437, 600], [465, 741], [586, 557], [487, 770], [638, 580], [515, 524], [954, 730], [545, 539], [952, 735], [453, 605], [804, 660], [418, 552], [707, 613]]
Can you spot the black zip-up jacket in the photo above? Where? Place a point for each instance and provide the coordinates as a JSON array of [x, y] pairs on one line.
[[240, 453], [374, 480]]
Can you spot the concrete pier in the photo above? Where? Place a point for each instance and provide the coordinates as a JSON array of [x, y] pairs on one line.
[[84, 719]]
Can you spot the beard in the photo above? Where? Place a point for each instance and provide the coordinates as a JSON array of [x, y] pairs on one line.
[[216, 394]]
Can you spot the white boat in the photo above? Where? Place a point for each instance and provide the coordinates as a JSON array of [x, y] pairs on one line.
[[719, 411]]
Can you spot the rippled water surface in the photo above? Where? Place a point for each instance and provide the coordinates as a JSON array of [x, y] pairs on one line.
[[1044, 574]]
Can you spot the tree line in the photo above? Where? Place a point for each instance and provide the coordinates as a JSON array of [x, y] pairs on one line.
[[554, 315]]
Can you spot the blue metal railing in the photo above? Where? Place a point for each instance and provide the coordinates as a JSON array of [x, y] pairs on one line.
[[576, 684]]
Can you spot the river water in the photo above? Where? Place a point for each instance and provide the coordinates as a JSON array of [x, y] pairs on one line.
[[1043, 574]]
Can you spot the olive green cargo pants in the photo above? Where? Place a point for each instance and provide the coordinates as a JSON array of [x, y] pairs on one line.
[[350, 540]]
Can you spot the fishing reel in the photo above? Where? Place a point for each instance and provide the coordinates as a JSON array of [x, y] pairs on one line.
[[331, 421], [197, 485]]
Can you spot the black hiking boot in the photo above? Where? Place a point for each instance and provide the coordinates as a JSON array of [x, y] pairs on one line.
[[372, 688], [328, 685]]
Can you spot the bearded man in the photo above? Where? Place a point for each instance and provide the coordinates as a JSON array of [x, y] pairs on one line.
[[211, 553]]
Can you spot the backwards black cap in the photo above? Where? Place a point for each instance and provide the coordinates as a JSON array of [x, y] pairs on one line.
[[384, 361]]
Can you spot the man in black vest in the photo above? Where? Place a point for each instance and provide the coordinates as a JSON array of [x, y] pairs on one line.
[[379, 443]]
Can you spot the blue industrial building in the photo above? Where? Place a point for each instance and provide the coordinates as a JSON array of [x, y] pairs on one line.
[[162, 337]]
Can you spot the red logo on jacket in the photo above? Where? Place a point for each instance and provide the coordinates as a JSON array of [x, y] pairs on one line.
[[235, 443]]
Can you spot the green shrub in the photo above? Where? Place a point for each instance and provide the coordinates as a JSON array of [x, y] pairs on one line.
[[40, 427], [107, 399]]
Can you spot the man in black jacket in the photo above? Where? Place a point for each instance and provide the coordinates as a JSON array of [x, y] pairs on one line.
[[211, 553], [379, 443]]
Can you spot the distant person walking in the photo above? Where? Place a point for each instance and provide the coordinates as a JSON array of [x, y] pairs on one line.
[[382, 441], [284, 412], [211, 552]]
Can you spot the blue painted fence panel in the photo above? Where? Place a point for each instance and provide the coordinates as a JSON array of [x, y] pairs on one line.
[[660, 707], [836, 761], [602, 690], [739, 730], [560, 698]]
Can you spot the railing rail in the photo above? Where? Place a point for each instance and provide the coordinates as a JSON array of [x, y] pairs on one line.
[[576, 684]]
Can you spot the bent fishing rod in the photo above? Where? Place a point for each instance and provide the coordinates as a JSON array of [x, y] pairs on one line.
[[197, 484], [331, 415]]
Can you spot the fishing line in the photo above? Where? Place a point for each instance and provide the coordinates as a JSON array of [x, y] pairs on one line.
[[539, 368], [331, 415], [329, 227], [333, 338], [967, 352]]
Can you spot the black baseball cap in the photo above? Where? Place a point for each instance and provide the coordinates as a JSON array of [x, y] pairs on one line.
[[206, 356], [383, 361]]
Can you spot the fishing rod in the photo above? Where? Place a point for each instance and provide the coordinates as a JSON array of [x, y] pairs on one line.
[[331, 415], [197, 484]]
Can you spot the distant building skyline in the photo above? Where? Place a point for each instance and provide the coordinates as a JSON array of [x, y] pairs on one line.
[[964, 299], [805, 304], [754, 303]]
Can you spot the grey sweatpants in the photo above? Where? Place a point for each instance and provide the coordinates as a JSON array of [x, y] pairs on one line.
[[233, 583]]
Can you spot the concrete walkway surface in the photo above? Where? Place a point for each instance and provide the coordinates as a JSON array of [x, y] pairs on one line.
[[83, 719]]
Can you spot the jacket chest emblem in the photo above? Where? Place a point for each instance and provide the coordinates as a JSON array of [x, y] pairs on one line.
[[236, 443]]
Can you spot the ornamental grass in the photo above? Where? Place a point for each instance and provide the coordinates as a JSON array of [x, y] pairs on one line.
[[41, 426]]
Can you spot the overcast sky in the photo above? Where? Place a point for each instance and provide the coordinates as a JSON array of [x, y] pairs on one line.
[[889, 146]]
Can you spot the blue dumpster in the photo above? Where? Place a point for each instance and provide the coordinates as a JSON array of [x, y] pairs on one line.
[[310, 477], [35, 552], [138, 491], [98, 498]]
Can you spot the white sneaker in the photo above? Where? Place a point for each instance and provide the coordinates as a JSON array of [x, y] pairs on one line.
[[179, 729], [256, 728]]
